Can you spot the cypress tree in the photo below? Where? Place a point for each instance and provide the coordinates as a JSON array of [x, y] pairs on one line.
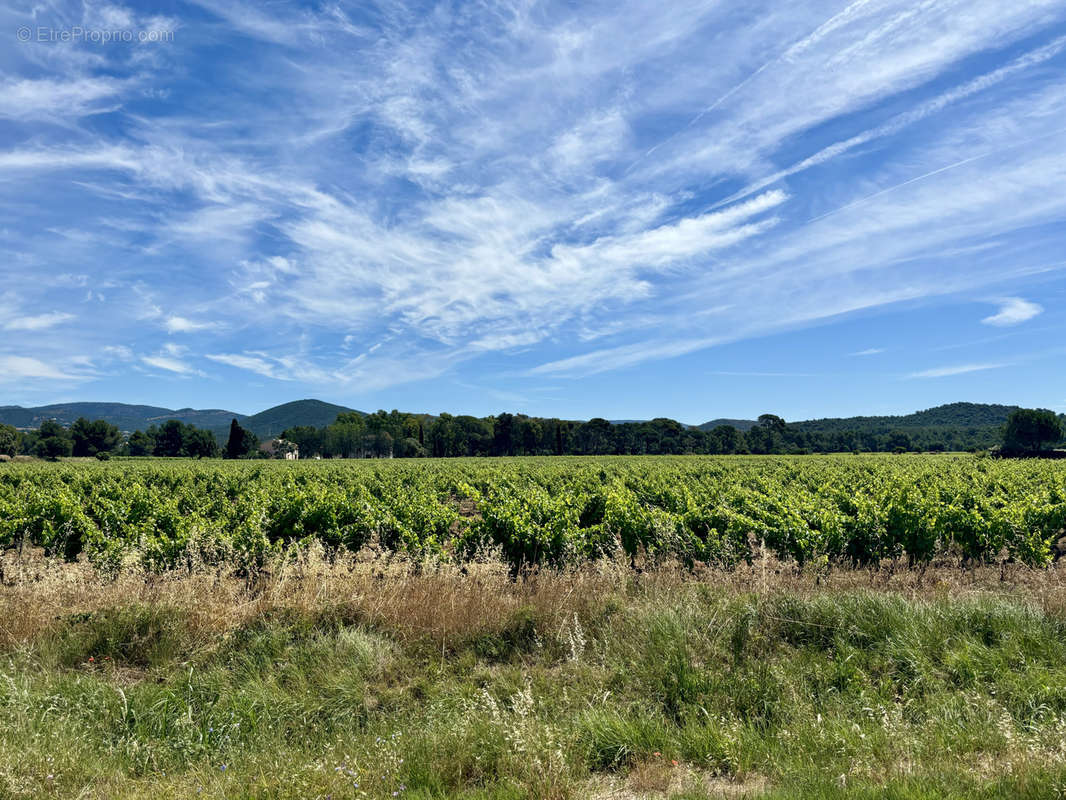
[[235, 443]]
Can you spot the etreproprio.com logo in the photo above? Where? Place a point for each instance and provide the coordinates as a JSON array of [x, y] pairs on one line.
[[80, 35]]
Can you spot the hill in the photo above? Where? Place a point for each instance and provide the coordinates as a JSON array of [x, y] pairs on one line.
[[129, 418], [951, 415], [126, 417], [739, 424], [274, 420]]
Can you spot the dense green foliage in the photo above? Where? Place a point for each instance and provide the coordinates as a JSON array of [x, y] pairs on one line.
[[1030, 429], [174, 439], [90, 438], [410, 435], [84, 438], [10, 440], [52, 441], [552, 511]]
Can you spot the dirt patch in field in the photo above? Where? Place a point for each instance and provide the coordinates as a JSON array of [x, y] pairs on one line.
[[654, 780], [467, 509]]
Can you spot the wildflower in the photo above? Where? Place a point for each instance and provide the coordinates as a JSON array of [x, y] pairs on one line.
[[673, 761], [656, 754], [91, 659], [223, 767]]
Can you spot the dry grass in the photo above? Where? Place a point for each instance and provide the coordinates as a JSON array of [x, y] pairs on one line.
[[661, 778], [439, 602], [446, 603], [312, 664]]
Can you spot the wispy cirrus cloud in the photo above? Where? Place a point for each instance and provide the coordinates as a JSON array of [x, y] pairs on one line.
[[171, 358], [571, 191], [613, 358], [961, 369], [176, 324], [1014, 311], [38, 322], [15, 368], [170, 364], [251, 363], [53, 99]]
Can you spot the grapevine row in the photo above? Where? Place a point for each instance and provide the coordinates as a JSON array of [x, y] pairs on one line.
[[543, 511]]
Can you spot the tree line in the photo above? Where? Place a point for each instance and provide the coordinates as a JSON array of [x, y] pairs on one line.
[[100, 439], [403, 435], [394, 433]]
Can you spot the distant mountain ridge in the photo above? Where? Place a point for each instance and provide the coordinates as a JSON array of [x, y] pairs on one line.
[[265, 424], [950, 415]]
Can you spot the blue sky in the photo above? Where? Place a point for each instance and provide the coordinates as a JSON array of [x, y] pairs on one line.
[[693, 210]]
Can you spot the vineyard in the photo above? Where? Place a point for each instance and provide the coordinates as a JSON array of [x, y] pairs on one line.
[[369, 629], [720, 511]]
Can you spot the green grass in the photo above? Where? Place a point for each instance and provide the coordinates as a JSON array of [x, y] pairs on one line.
[[788, 693]]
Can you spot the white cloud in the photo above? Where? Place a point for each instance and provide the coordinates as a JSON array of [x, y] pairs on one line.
[[910, 117], [250, 20], [42, 158], [553, 177], [23, 367], [171, 364], [619, 357], [118, 351], [598, 137], [944, 372], [27, 99], [39, 322], [1013, 311], [688, 238], [869, 51], [218, 223], [255, 364], [177, 324], [871, 351]]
